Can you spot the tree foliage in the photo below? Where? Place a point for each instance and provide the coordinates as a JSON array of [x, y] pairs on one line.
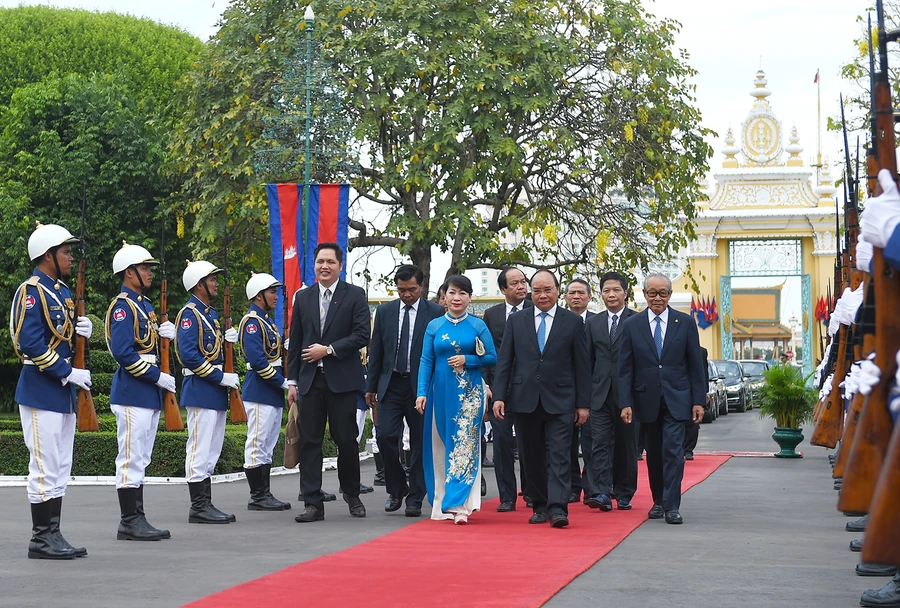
[[39, 41], [569, 125], [75, 136]]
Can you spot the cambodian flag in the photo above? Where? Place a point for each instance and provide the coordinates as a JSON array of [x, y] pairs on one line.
[[292, 252]]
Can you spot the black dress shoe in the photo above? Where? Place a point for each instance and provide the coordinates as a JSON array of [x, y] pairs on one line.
[[413, 511], [853, 513], [357, 508], [656, 512], [310, 514], [559, 521], [506, 506], [600, 501], [528, 502], [624, 504], [483, 486], [573, 497], [393, 503], [857, 525], [889, 595], [674, 517], [856, 545], [326, 497], [538, 518], [688, 455], [863, 569], [641, 456], [364, 489]]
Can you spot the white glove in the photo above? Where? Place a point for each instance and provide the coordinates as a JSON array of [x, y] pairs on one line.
[[84, 327], [79, 377], [864, 255], [882, 213], [230, 380], [287, 344], [895, 403], [284, 385], [851, 382], [869, 376], [166, 382], [167, 330], [826, 388], [833, 323], [231, 335]]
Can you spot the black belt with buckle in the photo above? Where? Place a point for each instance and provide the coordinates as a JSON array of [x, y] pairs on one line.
[[402, 374]]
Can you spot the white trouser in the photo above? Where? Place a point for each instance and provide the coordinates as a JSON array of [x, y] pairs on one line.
[[136, 433], [360, 423], [263, 428], [49, 437], [206, 433]]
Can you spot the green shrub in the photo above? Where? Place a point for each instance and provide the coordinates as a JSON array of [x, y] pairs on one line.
[[101, 403], [786, 398], [102, 383], [102, 361]]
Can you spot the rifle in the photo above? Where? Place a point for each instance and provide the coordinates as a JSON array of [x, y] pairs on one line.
[[235, 403], [87, 413], [170, 404], [883, 534]]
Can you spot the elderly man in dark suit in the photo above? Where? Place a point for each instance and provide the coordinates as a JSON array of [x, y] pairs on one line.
[[661, 385], [543, 372], [613, 462], [578, 296], [329, 325], [394, 355], [514, 287]]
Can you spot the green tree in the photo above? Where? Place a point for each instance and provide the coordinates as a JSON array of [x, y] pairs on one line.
[[571, 125], [39, 41], [65, 138]]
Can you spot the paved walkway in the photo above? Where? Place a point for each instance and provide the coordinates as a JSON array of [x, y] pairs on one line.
[[760, 532]]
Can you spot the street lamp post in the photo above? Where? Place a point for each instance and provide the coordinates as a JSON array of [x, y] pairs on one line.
[[794, 324], [308, 16]]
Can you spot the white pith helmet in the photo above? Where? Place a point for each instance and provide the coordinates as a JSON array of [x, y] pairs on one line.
[[131, 255], [197, 271], [261, 282], [46, 237]]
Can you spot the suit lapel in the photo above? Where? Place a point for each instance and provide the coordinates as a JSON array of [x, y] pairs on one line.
[[528, 322], [604, 332], [421, 321], [645, 331], [671, 331], [337, 297], [557, 321], [313, 306], [393, 332], [624, 314]]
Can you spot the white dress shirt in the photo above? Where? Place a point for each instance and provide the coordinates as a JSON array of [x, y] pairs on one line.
[[412, 324], [548, 322], [609, 320], [509, 307], [583, 315], [664, 322]]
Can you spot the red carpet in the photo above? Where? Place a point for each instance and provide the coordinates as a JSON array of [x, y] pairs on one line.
[[449, 564]]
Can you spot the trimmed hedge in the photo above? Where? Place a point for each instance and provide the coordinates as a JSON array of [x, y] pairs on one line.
[[102, 362], [95, 453], [101, 383]]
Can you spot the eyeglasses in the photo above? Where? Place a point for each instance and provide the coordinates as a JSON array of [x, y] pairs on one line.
[[663, 293]]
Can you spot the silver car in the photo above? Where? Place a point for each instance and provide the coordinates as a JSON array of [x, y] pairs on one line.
[[755, 368]]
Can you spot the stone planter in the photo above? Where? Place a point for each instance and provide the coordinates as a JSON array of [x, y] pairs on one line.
[[787, 439]]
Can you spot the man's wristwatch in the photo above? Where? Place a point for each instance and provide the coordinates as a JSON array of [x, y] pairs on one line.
[[329, 350]]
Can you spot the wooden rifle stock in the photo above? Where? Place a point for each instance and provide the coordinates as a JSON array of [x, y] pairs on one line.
[[170, 404], [235, 403], [831, 414], [883, 547], [87, 413]]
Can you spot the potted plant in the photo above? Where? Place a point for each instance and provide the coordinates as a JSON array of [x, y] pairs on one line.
[[786, 398]]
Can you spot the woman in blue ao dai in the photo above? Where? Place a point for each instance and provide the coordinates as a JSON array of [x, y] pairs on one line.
[[451, 396]]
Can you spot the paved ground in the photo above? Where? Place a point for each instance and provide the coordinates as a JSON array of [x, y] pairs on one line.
[[759, 533]]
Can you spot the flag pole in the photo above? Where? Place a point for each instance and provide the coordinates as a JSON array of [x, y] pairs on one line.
[[818, 126]]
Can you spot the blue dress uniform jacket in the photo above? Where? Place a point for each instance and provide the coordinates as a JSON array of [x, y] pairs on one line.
[[261, 344], [42, 324], [892, 249], [198, 348], [131, 334]]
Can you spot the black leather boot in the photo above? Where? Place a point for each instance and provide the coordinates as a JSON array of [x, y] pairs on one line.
[[44, 544], [139, 504], [207, 485], [863, 569], [267, 483], [379, 470], [889, 595], [55, 513], [132, 526], [259, 501], [857, 525], [200, 511]]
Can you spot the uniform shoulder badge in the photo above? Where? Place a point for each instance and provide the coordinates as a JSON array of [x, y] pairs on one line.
[[29, 301], [119, 314], [186, 324], [252, 328]]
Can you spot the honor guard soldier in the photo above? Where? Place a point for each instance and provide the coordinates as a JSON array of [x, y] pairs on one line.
[[42, 325], [132, 336], [263, 394], [198, 348]]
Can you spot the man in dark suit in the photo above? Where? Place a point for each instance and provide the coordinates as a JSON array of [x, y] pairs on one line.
[[543, 372], [661, 386], [394, 355], [329, 325], [514, 287], [578, 296], [612, 465], [691, 428]]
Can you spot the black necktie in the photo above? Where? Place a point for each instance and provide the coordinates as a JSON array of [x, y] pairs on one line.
[[612, 330], [403, 353]]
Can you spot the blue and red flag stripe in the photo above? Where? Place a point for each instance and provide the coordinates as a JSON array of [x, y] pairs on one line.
[[328, 219]]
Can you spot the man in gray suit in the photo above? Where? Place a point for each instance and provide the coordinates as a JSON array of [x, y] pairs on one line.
[[578, 296], [612, 463], [661, 385]]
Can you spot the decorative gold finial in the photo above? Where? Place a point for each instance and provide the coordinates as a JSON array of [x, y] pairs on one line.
[[794, 149], [730, 150]]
